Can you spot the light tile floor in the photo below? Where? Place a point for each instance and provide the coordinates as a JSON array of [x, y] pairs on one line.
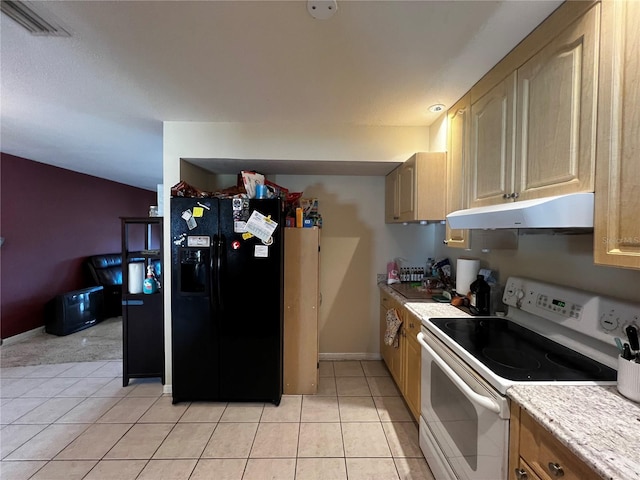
[[75, 421]]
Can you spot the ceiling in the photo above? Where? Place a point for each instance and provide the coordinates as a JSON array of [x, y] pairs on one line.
[[94, 102]]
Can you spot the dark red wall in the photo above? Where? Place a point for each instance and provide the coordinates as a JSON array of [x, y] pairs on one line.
[[51, 220]]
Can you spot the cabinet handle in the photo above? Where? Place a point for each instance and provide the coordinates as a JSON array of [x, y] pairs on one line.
[[556, 469], [506, 195], [521, 474], [446, 242], [515, 195], [411, 325]]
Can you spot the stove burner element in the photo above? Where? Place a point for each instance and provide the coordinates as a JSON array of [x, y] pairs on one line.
[[455, 326], [511, 358], [573, 362], [518, 354]]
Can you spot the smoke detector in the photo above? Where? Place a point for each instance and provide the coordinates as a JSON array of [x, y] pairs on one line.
[[322, 9]]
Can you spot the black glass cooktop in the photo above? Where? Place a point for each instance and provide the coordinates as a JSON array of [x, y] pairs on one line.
[[518, 354]]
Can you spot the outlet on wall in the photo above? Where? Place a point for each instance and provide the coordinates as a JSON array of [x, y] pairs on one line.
[[322, 9]]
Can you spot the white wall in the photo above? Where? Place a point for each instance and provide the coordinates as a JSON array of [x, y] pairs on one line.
[[279, 141], [356, 245], [562, 259]]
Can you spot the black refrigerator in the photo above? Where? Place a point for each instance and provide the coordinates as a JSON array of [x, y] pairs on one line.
[[226, 299]]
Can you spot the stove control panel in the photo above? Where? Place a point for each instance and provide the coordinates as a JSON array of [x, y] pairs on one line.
[[588, 313], [559, 306]]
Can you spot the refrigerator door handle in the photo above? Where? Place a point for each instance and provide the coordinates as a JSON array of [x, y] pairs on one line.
[[214, 274], [221, 245]]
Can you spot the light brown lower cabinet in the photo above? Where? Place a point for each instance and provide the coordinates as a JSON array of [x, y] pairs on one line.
[[536, 454], [404, 362], [301, 303], [391, 355], [413, 363]]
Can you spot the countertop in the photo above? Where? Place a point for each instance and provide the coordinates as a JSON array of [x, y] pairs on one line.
[[596, 423], [424, 307], [600, 426]]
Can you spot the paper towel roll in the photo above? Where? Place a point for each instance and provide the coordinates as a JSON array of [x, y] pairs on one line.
[[136, 277], [466, 273]]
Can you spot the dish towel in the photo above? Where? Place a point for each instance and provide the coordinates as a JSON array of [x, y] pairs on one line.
[[393, 326]]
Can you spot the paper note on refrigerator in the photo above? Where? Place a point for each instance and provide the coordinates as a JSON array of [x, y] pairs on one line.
[[261, 226]]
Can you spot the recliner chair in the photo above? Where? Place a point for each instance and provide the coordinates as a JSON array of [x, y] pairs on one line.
[[106, 270]]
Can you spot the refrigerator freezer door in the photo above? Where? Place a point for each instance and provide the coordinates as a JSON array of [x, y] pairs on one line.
[[193, 332]]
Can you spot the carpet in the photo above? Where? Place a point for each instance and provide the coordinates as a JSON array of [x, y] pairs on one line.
[[103, 341]]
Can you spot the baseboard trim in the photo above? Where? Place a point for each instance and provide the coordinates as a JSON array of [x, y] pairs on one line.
[[21, 337], [334, 357]]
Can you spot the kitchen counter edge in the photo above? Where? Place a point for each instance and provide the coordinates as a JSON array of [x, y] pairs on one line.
[[600, 426]]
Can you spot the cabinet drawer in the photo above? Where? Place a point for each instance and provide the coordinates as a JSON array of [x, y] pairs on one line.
[[524, 472], [386, 300], [411, 325], [546, 455]]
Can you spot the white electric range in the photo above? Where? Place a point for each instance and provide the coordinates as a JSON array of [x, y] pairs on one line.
[[550, 335]]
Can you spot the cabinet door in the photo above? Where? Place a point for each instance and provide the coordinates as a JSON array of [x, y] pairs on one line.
[[412, 364], [617, 224], [492, 143], [523, 472], [143, 336], [392, 356], [555, 143], [391, 206], [407, 190], [458, 119]]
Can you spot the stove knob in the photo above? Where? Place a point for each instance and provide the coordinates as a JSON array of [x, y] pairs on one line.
[[609, 322], [511, 290]]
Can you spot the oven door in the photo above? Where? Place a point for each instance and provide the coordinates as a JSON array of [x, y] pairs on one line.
[[464, 423]]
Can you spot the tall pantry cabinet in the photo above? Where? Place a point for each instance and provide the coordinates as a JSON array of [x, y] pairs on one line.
[[617, 200], [301, 303]]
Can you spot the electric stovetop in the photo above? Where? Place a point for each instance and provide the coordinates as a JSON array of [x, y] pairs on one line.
[[518, 354]]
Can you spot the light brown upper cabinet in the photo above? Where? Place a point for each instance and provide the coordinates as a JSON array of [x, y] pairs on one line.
[[492, 132], [533, 134], [415, 190], [391, 199], [458, 122], [617, 222]]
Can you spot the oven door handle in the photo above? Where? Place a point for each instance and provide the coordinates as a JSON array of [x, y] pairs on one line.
[[485, 402]]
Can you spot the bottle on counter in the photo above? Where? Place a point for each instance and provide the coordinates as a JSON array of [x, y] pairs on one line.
[[480, 302], [428, 267]]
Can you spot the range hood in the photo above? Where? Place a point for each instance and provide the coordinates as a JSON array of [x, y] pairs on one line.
[[565, 211]]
